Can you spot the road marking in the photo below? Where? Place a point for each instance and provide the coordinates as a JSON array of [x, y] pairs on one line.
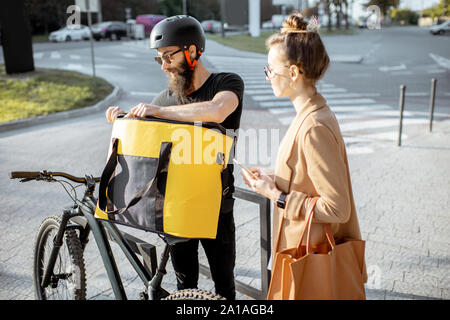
[[375, 124], [144, 93], [286, 120], [349, 101], [360, 75], [443, 62], [357, 108], [393, 68], [390, 135], [55, 55], [75, 57], [270, 97], [74, 66], [371, 114], [38, 55], [401, 73], [436, 71], [282, 110], [128, 55], [109, 66]]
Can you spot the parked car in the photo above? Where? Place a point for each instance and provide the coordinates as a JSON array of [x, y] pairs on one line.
[[112, 30], [149, 21], [212, 26], [76, 32], [443, 28]]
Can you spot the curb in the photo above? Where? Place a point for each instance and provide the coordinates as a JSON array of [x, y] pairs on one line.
[[26, 123]]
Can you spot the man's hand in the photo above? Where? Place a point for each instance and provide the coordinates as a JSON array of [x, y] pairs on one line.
[[112, 112], [142, 110]]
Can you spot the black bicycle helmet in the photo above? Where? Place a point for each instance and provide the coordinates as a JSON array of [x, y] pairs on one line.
[[181, 31]]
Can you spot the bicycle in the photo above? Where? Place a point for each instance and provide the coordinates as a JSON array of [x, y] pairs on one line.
[[58, 264]]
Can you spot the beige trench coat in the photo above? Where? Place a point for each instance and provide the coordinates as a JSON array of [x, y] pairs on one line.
[[311, 162]]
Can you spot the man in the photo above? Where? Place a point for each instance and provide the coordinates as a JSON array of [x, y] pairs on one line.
[[195, 94]]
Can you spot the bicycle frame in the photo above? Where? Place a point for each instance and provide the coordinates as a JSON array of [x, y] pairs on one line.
[[102, 230]]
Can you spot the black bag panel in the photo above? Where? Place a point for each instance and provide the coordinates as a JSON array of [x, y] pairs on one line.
[[138, 170], [137, 190]]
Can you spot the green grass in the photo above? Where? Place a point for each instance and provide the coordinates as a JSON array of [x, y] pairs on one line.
[[46, 91], [258, 44]]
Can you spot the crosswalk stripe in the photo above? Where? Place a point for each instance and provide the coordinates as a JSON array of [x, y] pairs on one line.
[[358, 108], [38, 55], [55, 55], [349, 101], [375, 124], [271, 104], [390, 135]]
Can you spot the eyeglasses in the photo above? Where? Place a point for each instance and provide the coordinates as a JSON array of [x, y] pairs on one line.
[[270, 74], [166, 57]]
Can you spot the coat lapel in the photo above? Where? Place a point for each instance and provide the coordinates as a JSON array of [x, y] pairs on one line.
[[283, 171]]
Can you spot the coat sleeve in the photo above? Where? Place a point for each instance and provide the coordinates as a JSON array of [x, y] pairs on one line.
[[327, 170]]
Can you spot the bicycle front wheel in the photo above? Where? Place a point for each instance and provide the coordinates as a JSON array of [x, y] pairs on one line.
[[68, 279]]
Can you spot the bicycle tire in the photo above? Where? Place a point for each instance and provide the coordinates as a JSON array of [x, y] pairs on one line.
[[194, 294], [76, 283]]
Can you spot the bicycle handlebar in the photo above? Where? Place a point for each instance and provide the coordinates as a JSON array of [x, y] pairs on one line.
[[47, 176]]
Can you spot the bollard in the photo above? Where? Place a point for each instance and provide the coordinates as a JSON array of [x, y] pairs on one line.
[[432, 97], [402, 107]]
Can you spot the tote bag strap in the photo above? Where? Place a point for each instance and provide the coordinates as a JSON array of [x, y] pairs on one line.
[[326, 229], [163, 160], [310, 210]]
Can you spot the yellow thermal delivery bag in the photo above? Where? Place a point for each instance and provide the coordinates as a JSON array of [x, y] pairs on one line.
[[164, 176]]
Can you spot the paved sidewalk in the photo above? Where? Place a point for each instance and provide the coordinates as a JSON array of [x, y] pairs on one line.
[[403, 198]]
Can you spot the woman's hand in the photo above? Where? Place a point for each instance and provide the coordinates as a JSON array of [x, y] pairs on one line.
[[112, 112], [263, 184]]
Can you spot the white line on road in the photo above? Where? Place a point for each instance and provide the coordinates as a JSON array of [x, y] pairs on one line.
[[128, 55], [349, 101], [55, 55], [143, 93], [401, 73], [375, 124], [393, 68], [38, 55], [443, 62], [75, 57], [109, 66]]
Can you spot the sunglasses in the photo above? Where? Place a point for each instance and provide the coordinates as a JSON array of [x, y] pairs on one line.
[[166, 57]]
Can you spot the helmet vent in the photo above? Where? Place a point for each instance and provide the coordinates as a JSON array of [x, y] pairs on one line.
[[158, 37]]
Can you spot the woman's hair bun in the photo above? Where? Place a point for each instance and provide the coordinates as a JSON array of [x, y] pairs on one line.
[[295, 23]]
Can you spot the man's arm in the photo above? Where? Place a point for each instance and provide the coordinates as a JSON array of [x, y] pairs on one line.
[[216, 110]]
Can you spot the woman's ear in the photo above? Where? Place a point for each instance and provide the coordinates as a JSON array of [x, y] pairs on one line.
[[294, 72]]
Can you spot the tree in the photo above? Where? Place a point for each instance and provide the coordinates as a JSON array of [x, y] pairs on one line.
[[440, 10], [16, 37]]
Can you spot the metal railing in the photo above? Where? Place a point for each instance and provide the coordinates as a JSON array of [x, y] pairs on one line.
[[265, 242]]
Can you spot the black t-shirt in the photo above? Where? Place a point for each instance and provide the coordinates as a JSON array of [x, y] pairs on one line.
[[215, 83]]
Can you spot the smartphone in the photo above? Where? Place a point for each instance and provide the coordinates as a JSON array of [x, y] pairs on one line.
[[251, 174]]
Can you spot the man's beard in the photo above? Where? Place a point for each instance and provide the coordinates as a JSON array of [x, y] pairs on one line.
[[180, 83]]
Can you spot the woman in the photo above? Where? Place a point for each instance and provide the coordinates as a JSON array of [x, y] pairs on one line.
[[312, 160]]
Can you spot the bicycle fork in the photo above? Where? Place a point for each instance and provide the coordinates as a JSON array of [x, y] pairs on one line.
[[58, 241]]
